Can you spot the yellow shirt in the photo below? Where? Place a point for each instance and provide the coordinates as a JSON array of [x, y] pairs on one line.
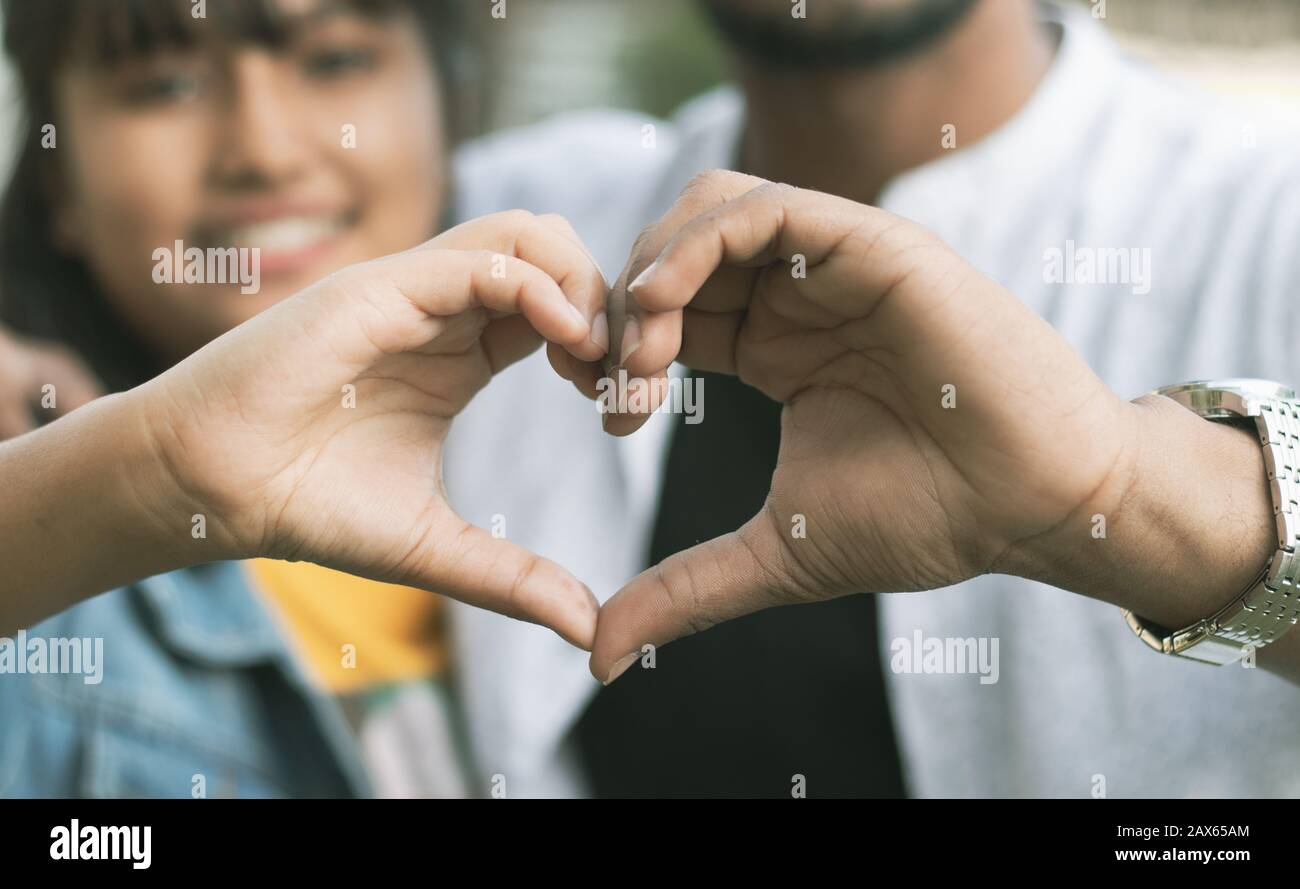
[[355, 633]]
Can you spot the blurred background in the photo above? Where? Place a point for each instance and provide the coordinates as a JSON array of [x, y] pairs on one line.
[[548, 56], [552, 55]]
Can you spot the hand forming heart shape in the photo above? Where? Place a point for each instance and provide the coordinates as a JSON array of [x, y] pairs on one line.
[[933, 426], [912, 387], [314, 431]]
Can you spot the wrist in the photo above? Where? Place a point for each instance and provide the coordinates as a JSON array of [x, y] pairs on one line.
[[83, 512], [179, 516], [1183, 524]]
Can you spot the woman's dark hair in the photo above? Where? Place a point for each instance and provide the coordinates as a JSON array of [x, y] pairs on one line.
[[46, 293]]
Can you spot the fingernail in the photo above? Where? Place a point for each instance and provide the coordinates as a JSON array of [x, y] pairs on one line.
[[643, 277], [631, 339], [621, 665], [600, 332]]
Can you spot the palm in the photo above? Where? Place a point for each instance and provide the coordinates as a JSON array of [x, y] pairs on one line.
[[922, 442], [326, 463], [885, 496], [367, 489], [903, 413], [857, 462], [314, 431]]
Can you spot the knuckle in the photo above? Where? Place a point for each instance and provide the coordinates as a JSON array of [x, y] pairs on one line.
[[705, 184], [775, 191], [555, 220], [518, 600], [715, 186], [683, 594], [515, 219], [711, 179]]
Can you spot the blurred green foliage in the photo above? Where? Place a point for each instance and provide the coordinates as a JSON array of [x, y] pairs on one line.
[[675, 56]]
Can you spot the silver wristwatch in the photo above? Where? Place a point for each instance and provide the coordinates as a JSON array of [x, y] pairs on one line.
[[1271, 604]]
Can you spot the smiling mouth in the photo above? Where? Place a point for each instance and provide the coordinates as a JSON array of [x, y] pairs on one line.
[[288, 234], [285, 243]]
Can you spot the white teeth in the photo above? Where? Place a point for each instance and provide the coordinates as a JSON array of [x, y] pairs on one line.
[[284, 235]]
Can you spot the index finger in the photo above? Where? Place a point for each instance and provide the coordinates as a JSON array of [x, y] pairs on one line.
[[549, 243], [703, 193], [642, 342]]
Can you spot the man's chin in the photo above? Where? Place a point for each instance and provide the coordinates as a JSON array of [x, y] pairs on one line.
[[840, 35]]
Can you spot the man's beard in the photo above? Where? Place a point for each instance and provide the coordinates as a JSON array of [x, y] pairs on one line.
[[853, 37]]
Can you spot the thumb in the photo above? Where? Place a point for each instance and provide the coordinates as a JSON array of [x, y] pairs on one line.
[[471, 565], [727, 577]]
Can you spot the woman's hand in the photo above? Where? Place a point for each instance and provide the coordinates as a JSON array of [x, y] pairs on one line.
[[314, 431]]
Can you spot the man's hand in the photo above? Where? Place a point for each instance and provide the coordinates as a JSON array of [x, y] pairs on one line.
[[934, 426]]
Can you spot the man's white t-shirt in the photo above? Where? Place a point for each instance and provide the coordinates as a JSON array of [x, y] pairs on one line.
[[1159, 235]]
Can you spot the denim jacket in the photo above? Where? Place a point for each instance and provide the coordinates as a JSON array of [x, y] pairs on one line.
[[199, 695]]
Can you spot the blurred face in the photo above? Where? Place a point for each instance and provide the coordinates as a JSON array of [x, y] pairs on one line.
[[322, 152], [831, 9], [832, 33]]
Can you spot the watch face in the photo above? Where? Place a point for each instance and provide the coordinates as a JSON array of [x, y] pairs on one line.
[[1227, 398]]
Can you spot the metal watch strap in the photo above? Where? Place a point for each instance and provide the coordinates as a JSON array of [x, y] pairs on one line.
[[1271, 604]]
